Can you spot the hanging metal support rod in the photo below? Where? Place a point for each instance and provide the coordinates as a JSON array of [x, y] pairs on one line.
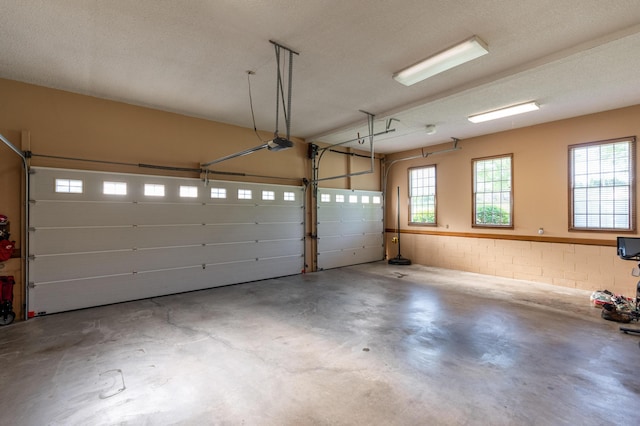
[[356, 139], [280, 88]]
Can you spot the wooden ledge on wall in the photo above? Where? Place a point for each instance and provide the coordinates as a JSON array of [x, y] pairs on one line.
[[536, 238]]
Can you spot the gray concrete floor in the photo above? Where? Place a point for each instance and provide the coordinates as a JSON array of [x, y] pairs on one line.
[[369, 344]]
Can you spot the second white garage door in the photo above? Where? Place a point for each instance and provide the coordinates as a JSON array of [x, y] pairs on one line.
[[350, 227]]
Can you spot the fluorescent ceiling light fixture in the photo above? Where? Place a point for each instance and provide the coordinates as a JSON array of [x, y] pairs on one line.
[[466, 51], [504, 112]]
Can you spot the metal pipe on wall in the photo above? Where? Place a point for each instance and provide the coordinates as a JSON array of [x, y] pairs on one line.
[[387, 168], [316, 166]]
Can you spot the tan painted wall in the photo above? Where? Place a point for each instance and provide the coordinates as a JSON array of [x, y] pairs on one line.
[[540, 184], [57, 123]]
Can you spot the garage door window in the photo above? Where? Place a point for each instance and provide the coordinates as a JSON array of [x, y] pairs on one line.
[[289, 196], [153, 190], [71, 186], [218, 193], [268, 195], [188, 191], [114, 188], [244, 194]]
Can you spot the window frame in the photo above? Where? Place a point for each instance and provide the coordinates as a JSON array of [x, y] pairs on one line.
[[268, 195], [154, 190], [435, 196], [186, 191], [632, 186], [117, 186], [218, 193], [244, 194], [68, 184], [474, 162]]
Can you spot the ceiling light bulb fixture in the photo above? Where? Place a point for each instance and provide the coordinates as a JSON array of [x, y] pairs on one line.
[[444, 60], [504, 112], [431, 129]]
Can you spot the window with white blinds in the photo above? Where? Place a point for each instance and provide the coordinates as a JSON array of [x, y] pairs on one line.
[[601, 185]]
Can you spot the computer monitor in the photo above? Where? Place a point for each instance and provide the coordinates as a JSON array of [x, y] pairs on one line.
[[629, 248]]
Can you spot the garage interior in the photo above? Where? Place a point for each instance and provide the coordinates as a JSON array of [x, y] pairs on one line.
[[243, 213]]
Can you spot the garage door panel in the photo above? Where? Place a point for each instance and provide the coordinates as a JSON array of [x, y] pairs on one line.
[[330, 213], [74, 214], [346, 257], [277, 248], [72, 240], [337, 242], [175, 257], [231, 213], [65, 267], [331, 243], [169, 214], [348, 228], [167, 258], [150, 236], [253, 270], [113, 289], [274, 214], [90, 249], [337, 259], [166, 236], [221, 233], [373, 240]]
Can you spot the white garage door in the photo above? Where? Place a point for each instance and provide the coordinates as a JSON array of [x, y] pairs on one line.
[[99, 238], [350, 227]]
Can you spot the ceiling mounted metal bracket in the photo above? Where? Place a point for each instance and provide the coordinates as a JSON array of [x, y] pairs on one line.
[[277, 143], [286, 109]]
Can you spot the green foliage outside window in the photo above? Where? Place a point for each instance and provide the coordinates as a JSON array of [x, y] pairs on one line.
[[492, 215]]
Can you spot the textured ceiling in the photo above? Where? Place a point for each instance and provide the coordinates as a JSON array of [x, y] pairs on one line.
[[572, 56]]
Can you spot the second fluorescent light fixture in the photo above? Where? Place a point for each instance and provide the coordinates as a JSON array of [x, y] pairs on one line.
[[504, 112], [466, 51]]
